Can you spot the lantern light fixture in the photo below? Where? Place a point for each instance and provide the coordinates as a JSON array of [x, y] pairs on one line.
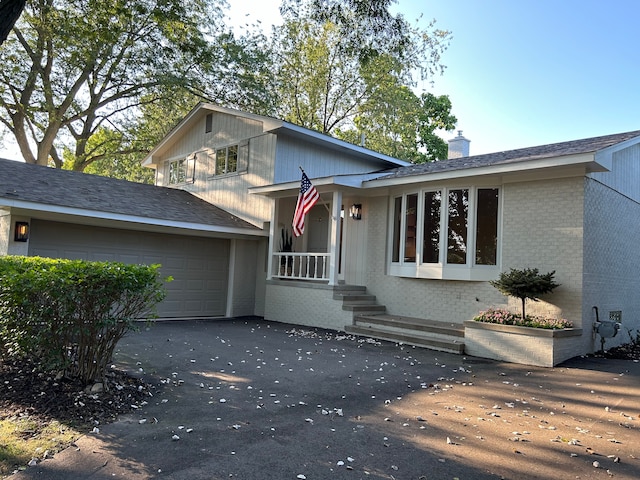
[[356, 211], [21, 233]]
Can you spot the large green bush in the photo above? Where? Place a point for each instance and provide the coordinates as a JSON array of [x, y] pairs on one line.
[[68, 315]]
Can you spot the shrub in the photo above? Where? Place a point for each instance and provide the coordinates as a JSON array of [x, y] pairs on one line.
[[504, 317], [526, 283], [68, 315]]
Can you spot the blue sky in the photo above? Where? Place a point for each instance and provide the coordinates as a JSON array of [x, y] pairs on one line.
[[528, 72]]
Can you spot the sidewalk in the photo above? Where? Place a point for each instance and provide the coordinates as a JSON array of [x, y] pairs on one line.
[[253, 400]]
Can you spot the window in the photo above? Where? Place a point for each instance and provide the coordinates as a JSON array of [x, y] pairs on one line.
[[227, 160], [431, 230], [446, 233], [208, 123], [181, 170], [457, 227], [487, 227]]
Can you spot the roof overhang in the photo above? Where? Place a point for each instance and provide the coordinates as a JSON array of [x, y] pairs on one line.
[[579, 164], [322, 184], [127, 222]]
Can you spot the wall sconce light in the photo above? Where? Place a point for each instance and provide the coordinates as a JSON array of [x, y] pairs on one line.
[[356, 211], [21, 233]]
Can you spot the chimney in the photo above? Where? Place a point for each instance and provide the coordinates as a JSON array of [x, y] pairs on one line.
[[459, 146]]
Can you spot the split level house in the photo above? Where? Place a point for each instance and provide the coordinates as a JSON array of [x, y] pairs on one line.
[[392, 250]]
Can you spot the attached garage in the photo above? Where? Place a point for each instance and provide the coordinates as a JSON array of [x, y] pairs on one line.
[[199, 266]]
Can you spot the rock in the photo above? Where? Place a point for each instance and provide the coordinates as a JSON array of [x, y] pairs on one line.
[[97, 388]]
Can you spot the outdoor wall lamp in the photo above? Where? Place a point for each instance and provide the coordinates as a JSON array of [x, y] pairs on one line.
[[21, 233], [356, 211]]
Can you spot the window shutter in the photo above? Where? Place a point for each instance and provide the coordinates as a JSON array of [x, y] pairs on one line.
[[243, 156], [190, 173]]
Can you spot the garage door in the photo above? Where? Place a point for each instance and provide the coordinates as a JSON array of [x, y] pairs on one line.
[[199, 266]]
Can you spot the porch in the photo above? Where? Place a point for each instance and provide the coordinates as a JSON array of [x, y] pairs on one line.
[[351, 309]]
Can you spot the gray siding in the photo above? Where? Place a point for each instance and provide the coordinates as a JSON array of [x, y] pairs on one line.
[[317, 161], [624, 174], [611, 257]]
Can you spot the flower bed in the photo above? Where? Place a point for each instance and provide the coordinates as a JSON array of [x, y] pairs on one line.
[[504, 317], [545, 342]]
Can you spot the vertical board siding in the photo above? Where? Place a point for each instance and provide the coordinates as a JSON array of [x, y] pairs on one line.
[[229, 192], [354, 245], [317, 161], [624, 176]]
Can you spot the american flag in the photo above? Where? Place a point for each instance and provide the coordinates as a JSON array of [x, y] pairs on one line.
[[306, 199]]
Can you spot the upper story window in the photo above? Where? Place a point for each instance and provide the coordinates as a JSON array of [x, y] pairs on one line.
[[230, 159], [227, 160], [449, 233], [181, 170]]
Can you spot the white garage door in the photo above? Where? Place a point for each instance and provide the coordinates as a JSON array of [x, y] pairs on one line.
[[199, 266]]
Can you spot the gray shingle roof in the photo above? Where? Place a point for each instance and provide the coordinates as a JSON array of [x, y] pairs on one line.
[[50, 186], [573, 147]]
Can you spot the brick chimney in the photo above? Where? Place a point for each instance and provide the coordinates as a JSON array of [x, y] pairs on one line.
[[459, 146]]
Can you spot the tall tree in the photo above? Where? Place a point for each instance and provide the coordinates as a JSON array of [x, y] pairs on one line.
[[10, 10], [79, 66], [347, 67]]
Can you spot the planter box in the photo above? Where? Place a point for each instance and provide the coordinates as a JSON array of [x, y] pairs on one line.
[[525, 345]]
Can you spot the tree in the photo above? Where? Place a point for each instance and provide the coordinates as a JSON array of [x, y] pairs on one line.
[[10, 10], [525, 283], [79, 66], [346, 68]]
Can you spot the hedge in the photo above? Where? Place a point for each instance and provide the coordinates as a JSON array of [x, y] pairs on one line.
[[68, 315]]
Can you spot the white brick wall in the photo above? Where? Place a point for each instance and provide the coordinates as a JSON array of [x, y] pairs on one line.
[[547, 225], [5, 227], [542, 229], [305, 304], [542, 350], [7, 245]]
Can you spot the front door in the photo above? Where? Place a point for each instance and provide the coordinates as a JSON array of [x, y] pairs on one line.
[[318, 229]]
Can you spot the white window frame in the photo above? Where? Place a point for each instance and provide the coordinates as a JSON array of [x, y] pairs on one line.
[[443, 270], [242, 159], [189, 167]]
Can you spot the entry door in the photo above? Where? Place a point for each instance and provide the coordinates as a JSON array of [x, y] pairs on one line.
[[318, 229]]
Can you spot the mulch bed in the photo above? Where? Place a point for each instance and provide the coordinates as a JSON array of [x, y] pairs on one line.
[[25, 390]]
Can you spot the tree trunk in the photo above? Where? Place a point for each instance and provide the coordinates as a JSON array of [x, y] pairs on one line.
[[10, 11]]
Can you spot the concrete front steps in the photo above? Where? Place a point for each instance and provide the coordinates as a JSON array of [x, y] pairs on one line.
[[442, 336], [370, 320]]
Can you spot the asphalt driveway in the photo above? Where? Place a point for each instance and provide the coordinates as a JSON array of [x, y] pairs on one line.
[[255, 400]]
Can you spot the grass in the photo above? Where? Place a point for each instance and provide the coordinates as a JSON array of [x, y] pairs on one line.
[[23, 438]]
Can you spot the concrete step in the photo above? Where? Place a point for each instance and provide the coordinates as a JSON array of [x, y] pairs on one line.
[[366, 308], [354, 297], [396, 322], [441, 336]]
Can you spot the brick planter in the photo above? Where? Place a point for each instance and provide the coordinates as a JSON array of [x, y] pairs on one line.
[[525, 345]]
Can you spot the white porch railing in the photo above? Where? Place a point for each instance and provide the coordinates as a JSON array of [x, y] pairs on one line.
[[301, 266]]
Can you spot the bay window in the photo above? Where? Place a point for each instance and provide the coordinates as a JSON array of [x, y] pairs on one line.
[[448, 233]]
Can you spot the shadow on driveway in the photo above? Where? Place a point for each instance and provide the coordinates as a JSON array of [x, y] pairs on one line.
[[250, 399]]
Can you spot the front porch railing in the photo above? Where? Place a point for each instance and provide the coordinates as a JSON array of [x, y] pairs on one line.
[[301, 266]]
